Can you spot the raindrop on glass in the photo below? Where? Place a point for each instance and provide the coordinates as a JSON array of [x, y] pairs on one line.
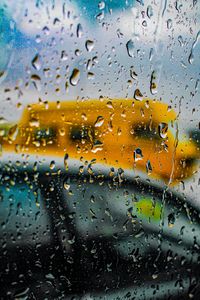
[[99, 121], [137, 154], [153, 84], [36, 62], [89, 45], [130, 48], [148, 167], [79, 30], [138, 95], [171, 220], [101, 5], [75, 77], [163, 128], [149, 11], [52, 165]]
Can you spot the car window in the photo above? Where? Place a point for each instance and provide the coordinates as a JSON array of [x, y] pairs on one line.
[[46, 134], [84, 133], [22, 212]]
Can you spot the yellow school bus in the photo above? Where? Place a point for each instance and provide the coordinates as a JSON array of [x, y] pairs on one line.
[[119, 133]]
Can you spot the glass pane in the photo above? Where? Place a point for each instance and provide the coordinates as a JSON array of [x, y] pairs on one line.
[[99, 149]]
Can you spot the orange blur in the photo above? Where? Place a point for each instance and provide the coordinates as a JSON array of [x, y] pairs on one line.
[[119, 133]]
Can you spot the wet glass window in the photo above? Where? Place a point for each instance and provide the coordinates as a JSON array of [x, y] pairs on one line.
[[99, 149]]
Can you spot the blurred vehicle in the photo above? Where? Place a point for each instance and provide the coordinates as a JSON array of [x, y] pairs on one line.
[[120, 133], [94, 235]]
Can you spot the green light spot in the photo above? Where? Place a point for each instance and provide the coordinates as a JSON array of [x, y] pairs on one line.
[[146, 208]]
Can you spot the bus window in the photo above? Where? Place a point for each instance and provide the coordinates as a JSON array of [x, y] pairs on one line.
[[145, 131], [84, 133], [45, 134]]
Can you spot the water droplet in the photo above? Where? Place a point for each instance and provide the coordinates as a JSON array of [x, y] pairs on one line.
[[169, 24], [67, 86], [178, 5], [151, 54], [138, 95], [139, 233], [75, 77], [62, 131], [23, 294], [119, 131], [36, 62], [92, 199], [84, 116], [52, 165], [133, 74], [99, 121], [109, 104], [93, 214], [36, 81], [66, 186], [2, 73], [101, 5], [81, 169], [49, 276], [64, 55], [141, 2], [58, 104], [19, 105], [97, 146], [180, 39], [2, 121], [46, 30], [191, 56], [79, 30], [13, 132], [144, 23], [66, 161], [130, 48], [137, 155], [33, 122], [171, 220], [153, 85], [149, 11], [89, 45], [35, 77], [90, 76], [155, 275], [77, 52], [38, 39], [100, 16], [148, 167], [163, 128]]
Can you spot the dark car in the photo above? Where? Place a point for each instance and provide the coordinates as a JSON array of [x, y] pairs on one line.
[[92, 235]]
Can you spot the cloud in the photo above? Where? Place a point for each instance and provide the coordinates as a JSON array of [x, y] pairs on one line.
[[155, 20], [45, 16]]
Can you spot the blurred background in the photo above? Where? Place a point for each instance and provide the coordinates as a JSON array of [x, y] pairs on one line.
[[117, 45]]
